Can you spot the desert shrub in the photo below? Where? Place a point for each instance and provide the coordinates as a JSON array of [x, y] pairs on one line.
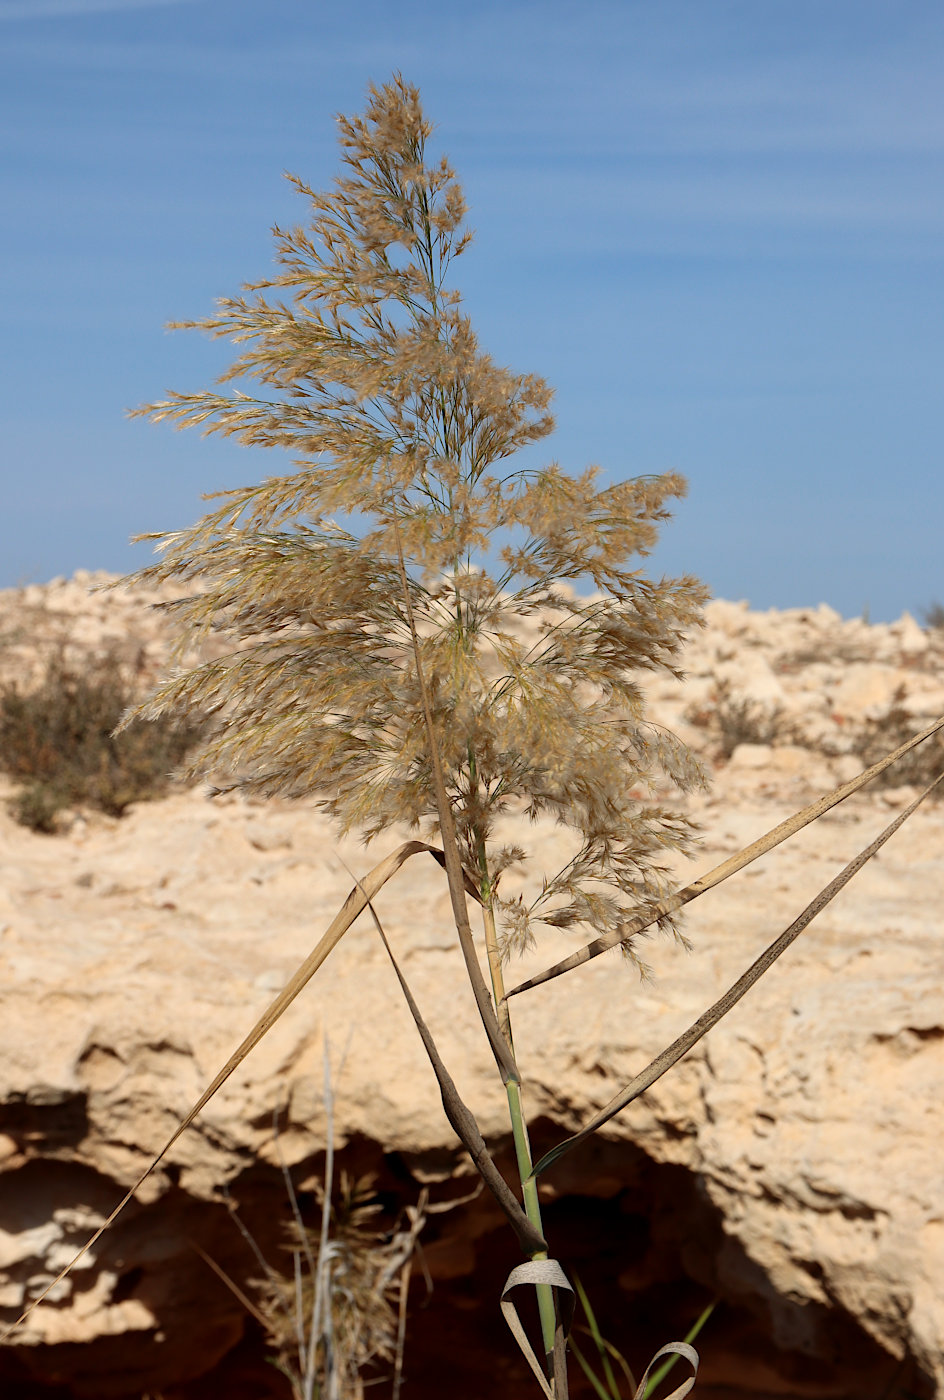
[[730, 720], [57, 742], [876, 737], [933, 617], [834, 646]]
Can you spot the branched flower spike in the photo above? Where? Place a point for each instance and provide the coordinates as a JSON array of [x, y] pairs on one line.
[[367, 371]]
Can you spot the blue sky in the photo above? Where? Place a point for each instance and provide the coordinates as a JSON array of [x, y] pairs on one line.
[[715, 226]]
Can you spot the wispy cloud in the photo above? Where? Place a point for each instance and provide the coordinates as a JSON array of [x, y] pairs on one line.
[[70, 9]]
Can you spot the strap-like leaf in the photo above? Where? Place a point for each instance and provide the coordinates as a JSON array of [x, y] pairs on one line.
[[727, 867], [462, 1119], [713, 1015]]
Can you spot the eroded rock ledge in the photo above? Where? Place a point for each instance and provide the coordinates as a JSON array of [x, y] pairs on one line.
[[790, 1167]]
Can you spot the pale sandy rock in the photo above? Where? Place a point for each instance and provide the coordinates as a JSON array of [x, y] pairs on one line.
[[824, 731], [805, 1130], [788, 771], [750, 676], [924, 703], [865, 691], [723, 616], [912, 639], [785, 761], [809, 685], [898, 796], [845, 767], [128, 994]]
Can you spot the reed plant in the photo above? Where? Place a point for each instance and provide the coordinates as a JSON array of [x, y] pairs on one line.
[[385, 665], [408, 645]]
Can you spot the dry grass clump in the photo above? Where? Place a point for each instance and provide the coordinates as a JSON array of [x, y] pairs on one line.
[[57, 741], [332, 1317], [335, 1319]]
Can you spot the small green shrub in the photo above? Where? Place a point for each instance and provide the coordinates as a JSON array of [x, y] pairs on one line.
[[57, 742]]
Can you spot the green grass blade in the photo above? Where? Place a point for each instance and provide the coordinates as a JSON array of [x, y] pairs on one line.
[[599, 1342], [594, 1380]]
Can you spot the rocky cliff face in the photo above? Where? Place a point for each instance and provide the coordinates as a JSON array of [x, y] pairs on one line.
[[790, 1167]]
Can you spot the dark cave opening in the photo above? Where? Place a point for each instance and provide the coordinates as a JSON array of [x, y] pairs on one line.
[[644, 1239]]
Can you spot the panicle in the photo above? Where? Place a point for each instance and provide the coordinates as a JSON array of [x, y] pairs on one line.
[[358, 360]]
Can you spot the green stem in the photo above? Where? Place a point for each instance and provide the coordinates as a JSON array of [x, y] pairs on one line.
[[519, 1127]]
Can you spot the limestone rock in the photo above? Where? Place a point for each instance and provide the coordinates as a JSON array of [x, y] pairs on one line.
[[790, 1165], [867, 690]]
